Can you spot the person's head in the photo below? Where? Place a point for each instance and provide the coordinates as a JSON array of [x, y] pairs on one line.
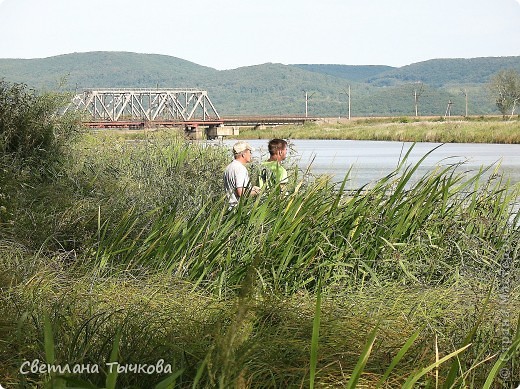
[[243, 151], [277, 149]]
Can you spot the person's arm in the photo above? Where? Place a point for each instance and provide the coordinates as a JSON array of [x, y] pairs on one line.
[[243, 184], [254, 191]]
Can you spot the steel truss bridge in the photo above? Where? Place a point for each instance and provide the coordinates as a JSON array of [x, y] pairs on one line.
[[122, 107], [150, 108]]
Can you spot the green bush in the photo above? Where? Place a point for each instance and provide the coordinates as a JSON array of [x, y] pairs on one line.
[[30, 128], [34, 141]]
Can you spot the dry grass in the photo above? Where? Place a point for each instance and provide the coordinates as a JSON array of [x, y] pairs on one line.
[[398, 129]]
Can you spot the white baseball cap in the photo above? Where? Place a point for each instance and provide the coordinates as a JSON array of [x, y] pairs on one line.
[[242, 146]]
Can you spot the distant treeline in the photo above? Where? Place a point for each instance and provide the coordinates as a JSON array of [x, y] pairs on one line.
[[278, 89]]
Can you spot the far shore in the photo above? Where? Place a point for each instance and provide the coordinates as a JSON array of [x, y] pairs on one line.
[[476, 129]]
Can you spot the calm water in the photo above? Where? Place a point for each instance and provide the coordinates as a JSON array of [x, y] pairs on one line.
[[371, 160]]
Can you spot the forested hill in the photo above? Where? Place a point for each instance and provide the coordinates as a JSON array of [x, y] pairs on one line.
[[277, 89], [442, 72], [348, 72], [103, 69]]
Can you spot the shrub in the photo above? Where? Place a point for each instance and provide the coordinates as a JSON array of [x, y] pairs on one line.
[[34, 140], [30, 128]]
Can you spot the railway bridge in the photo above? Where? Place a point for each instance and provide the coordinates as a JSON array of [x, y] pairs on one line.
[[189, 108]]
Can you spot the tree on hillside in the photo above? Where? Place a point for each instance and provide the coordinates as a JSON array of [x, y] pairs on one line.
[[505, 87]]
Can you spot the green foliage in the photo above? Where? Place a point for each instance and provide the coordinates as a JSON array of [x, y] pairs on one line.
[[105, 179], [254, 341], [104, 69], [315, 337], [348, 72], [34, 142], [442, 72], [29, 126], [162, 170]]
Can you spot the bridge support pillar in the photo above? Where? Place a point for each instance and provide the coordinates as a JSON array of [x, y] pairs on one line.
[[194, 132], [218, 132]]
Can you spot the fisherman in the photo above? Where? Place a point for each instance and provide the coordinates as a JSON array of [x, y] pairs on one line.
[[236, 176], [272, 173]]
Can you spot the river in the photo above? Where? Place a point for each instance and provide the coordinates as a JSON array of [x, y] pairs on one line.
[[372, 160]]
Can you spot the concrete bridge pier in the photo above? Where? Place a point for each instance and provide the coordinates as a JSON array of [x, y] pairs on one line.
[[194, 132], [219, 131]]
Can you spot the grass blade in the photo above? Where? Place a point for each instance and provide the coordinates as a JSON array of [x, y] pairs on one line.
[[50, 357], [48, 337], [362, 361], [315, 336], [200, 370], [114, 356], [169, 382], [451, 378], [398, 357], [412, 380], [506, 356]]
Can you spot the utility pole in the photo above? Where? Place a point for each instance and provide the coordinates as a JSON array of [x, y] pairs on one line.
[[465, 93], [307, 97], [349, 102], [448, 110], [348, 94], [416, 95], [306, 103], [415, 99]]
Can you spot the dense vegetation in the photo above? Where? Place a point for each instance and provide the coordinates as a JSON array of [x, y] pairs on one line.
[[29, 127], [123, 251], [279, 89], [443, 72], [349, 72]]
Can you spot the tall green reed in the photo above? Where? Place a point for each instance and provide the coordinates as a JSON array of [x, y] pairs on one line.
[[403, 228]]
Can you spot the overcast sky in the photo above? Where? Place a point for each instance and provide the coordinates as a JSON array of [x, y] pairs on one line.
[[226, 34]]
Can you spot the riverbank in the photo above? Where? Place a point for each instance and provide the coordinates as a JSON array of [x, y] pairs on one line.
[[402, 129]]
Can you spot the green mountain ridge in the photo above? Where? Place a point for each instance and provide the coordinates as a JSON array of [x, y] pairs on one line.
[[442, 72], [277, 89], [349, 72]]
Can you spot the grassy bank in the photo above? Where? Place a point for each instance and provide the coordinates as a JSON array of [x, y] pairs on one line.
[[485, 130], [257, 340], [143, 248], [122, 250]]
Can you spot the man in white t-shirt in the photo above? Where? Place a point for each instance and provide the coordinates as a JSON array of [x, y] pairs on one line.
[[236, 176]]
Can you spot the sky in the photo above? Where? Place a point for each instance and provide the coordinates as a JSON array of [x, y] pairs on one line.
[[227, 34]]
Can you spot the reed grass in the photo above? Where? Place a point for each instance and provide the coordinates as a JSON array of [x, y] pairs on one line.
[[404, 229], [366, 337], [320, 287]]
